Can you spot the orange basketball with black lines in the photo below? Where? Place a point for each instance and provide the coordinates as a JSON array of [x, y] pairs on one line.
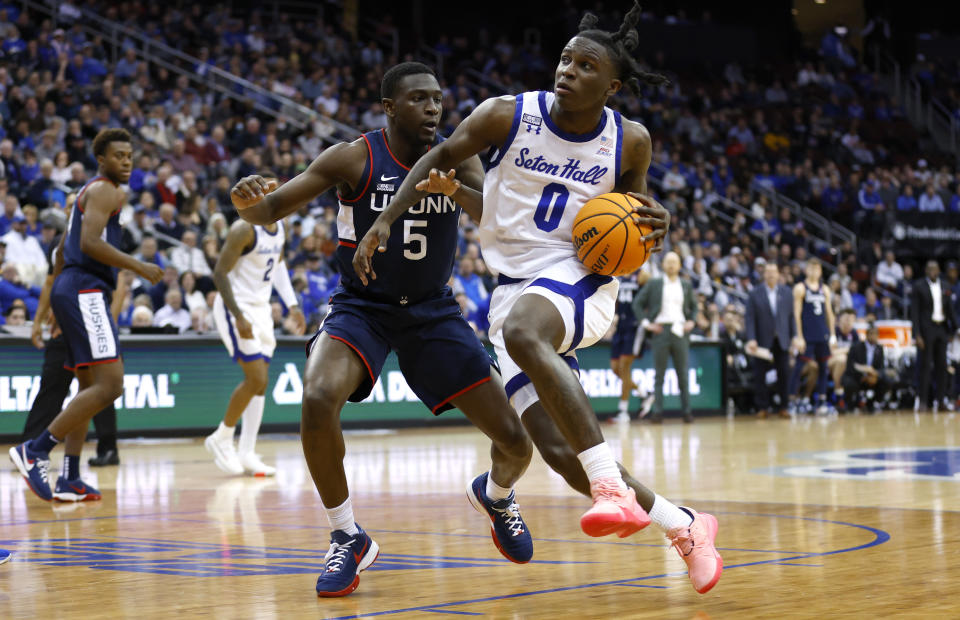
[[607, 238]]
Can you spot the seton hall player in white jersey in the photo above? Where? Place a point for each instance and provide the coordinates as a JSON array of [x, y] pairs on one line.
[[250, 266], [551, 153]]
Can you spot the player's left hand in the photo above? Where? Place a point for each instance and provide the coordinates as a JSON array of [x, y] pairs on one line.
[[654, 215], [688, 327], [298, 321], [375, 240], [36, 334], [440, 183]]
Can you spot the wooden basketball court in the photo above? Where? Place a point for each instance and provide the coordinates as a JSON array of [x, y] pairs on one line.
[[853, 517]]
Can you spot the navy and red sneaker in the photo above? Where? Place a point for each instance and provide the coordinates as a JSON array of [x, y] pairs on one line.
[[34, 467], [74, 491], [347, 557], [510, 534]]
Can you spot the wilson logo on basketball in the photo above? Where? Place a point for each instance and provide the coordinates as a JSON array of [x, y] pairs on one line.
[[587, 236]]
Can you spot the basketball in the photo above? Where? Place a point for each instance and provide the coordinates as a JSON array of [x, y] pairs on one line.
[[607, 239]]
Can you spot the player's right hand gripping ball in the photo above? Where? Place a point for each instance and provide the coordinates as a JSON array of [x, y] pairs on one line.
[[607, 239]]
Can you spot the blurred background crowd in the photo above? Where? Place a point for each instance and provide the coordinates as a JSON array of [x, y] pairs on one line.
[[807, 152]]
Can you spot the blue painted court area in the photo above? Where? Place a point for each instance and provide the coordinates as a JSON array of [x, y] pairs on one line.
[[194, 559], [901, 463]]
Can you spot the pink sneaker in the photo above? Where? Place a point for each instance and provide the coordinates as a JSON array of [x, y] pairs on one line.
[[695, 545], [614, 510]]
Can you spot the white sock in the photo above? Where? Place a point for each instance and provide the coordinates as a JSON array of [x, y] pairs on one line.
[[495, 491], [623, 406], [341, 518], [668, 515], [252, 417], [598, 462], [225, 432]]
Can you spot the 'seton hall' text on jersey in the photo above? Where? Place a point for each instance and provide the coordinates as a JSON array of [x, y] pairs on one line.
[[570, 170]]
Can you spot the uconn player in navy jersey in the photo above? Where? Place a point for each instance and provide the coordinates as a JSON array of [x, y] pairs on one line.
[[627, 344], [80, 300], [813, 314], [551, 152], [408, 309]]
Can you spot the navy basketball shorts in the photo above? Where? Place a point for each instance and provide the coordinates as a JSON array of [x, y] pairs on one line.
[[81, 303], [439, 354], [816, 352], [627, 340]]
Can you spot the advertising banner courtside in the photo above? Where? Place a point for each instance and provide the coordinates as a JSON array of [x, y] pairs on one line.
[[183, 383]]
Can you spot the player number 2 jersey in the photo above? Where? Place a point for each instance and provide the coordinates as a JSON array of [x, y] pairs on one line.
[[252, 277], [537, 182]]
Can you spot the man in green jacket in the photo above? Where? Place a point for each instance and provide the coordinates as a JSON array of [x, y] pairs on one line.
[[666, 308]]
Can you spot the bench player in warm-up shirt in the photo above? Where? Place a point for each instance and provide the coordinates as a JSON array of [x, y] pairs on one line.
[[551, 152], [250, 266], [410, 310], [80, 300]]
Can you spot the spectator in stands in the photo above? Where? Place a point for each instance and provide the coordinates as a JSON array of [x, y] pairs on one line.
[[158, 292], [192, 298], [173, 312], [907, 201], [188, 257], [142, 317], [13, 289], [864, 378], [168, 225], [11, 209], [930, 200], [149, 253], [889, 272], [15, 316], [24, 252]]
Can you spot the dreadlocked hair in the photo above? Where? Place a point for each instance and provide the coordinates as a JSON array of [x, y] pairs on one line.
[[620, 45]]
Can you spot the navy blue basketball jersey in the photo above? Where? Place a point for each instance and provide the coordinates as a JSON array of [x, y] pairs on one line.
[[423, 241], [813, 315], [628, 290], [112, 232]]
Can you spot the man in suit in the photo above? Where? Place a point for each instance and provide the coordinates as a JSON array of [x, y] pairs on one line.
[[864, 372], [770, 326], [931, 311], [666, 308]]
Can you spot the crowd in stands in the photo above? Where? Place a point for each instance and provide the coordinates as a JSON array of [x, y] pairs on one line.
[[818, 130]]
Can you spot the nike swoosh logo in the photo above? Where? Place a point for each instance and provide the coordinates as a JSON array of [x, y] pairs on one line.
[[81, 490], [359, 556], [383, 178], [29, 464]]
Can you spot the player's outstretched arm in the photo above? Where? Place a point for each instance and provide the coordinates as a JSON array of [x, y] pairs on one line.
[[487, 126], [264, 201], [467, 193], [240, 237], [798, 294], [100, 201]]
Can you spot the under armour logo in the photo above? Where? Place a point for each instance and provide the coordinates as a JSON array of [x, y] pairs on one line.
[[531, 128]]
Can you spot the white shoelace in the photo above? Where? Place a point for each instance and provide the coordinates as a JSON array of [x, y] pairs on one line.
[[514, 521], [336, 556], [43, 466]]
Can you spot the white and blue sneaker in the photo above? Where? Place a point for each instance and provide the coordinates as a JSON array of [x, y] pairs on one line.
[[510, 534], [347, 557], [74, 491], [5, 556], [34, 467]]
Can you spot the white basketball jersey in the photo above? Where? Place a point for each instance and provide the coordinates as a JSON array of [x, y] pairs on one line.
[[537, 183], [252, 277]]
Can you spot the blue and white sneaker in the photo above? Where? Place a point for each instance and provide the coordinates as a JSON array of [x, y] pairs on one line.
[[347, 557], [509, 532], [34, 467], [5, 556], [74, 491]]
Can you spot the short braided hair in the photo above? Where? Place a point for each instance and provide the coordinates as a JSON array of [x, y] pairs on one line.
[[620, 45]]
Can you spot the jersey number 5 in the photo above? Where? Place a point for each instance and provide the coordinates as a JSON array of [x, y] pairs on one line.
[[411, 238], [550, 210]]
